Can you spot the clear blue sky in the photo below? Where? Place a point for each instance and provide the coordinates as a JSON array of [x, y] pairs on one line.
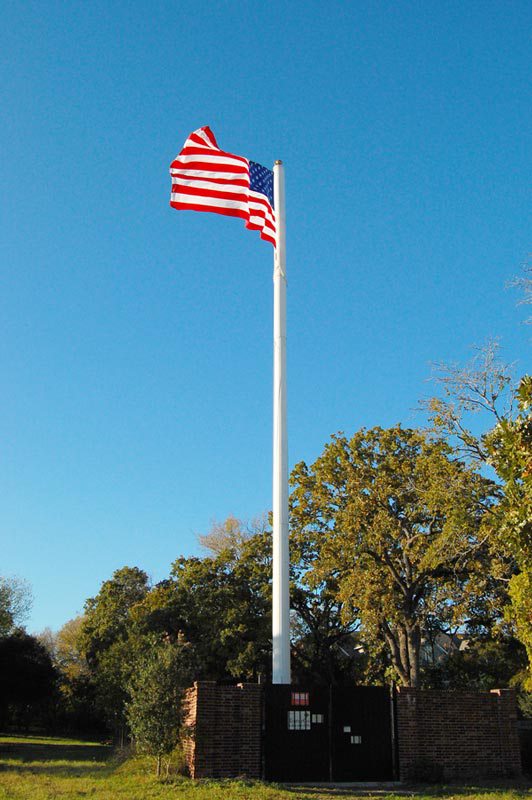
[[135, 340]]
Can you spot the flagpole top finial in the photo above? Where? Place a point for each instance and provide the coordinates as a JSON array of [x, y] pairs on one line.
[[278, 162]]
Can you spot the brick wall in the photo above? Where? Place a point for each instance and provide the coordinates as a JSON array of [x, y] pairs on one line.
[[444, 735], [223, 730]]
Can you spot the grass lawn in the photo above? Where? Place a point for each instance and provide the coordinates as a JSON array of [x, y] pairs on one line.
[[40, 768]]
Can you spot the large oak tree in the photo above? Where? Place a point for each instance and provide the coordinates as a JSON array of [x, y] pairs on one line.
[[395, 520]]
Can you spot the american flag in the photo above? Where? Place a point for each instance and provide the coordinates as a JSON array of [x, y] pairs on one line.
[[205, 178]]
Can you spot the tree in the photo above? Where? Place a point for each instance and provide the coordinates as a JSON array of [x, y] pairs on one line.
[[481, 388], [231, 535], [325, 648], [47, 638], [154, 711], [509, 448], [524, 282], [107, 642], [399, 519], [221, 604], [106, 617], [485, 385], [68, 651], [325, 643], [79, 706], [15, 603], [510, 453], [483, 664], [27, 678]]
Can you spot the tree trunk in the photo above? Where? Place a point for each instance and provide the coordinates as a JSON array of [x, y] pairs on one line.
[[158, 766], [414, 647], [404, 653], [404, 643], [395, 652]]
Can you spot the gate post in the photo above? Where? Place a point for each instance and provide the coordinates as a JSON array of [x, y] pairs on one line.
[[330, 731], [393, 731]]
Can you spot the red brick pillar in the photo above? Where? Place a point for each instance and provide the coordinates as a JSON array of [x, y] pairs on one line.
[[222, 736], [188, 737]]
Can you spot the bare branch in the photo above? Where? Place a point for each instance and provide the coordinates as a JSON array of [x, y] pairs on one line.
[[524, 282], [483, 386]]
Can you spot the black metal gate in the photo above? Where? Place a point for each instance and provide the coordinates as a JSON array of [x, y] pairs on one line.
[[328, 733]]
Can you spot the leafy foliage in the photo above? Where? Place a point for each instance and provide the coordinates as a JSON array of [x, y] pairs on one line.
[[69, 655], [107, 641], [221, 604], [483, 664], [506, 446], [398, 520], [325, 643], [509, 447], [154, 711], [27, 679], [15, 603], [106, 616]]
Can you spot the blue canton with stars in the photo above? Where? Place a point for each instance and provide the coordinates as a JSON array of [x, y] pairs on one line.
[[261, 180]]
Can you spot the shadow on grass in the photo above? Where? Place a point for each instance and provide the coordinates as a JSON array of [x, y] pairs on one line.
[[68, 770], [39, 757], [517, 787]]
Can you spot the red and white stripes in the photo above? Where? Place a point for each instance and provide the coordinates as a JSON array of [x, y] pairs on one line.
[[205, 178]]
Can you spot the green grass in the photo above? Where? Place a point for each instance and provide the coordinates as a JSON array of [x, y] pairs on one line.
[[41, 768]]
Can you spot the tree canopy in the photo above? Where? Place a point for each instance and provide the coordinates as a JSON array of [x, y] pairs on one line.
[[505, 445], [15, 603], [396, 520], [106, 640], [27, 678]]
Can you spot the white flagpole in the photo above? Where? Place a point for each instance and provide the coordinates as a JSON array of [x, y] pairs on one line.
[[281, 584]]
